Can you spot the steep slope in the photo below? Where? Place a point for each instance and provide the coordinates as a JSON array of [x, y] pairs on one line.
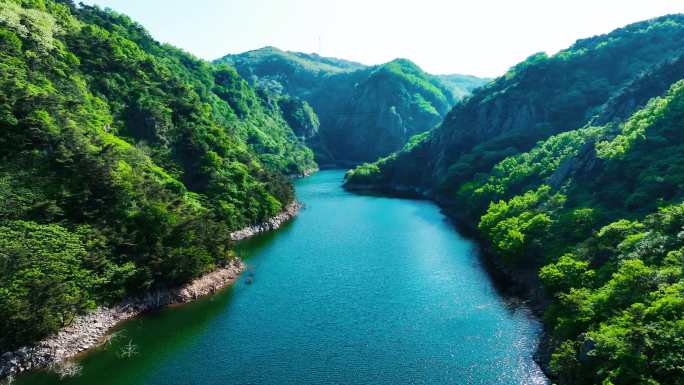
[[382, 109], [603, 215], [589, 220], [253, 116], [364, 112], [125, 163], [537, 98]]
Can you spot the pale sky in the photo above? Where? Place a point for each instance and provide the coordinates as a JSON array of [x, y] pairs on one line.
[[478, 37]]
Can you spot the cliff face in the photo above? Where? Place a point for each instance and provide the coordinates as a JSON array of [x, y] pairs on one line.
[[364, 112], [636, 94]]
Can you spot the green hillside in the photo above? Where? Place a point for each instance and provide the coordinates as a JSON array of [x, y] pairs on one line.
[[364, 111], [570, 171], [125, 163]]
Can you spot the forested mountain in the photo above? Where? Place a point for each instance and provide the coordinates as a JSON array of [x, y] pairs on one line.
[[570, 170], [525, 105], [364, 112], [125, 163], [293, 73], [462, 85]]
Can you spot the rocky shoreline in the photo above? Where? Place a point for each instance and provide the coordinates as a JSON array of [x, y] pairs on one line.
[[92, 329], [273, 223], [306, 173]]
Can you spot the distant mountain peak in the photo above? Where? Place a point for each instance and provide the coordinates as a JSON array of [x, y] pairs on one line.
[[365, 111]]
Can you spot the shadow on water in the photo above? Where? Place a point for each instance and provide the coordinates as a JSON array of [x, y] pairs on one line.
[[515, 296], [250, 247], [155, 335]]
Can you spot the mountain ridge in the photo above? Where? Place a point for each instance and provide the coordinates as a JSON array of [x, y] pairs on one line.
[[364, 111], [576, 196]]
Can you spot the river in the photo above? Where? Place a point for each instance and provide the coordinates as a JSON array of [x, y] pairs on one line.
[[356, 290]]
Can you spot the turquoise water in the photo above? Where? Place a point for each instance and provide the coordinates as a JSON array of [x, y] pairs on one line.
[[356, 290]]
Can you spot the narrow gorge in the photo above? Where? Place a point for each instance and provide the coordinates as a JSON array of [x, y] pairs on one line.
[[258, 215]]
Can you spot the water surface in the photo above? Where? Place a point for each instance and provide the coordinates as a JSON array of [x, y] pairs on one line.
[[356, 290]]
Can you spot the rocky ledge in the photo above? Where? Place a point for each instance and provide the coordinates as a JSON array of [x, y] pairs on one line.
[[92, 329], [273, 223], [306, 173]]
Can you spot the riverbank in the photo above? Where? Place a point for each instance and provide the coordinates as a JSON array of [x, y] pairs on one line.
[[272, 224], [330, 304], [306, 173], [92, 329]]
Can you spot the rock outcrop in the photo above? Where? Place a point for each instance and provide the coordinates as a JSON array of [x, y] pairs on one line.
[[273, 223]]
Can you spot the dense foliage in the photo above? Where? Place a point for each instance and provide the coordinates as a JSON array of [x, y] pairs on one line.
[[593, 206], [538, 98], [300, 116], [125, 164], [364, 112]]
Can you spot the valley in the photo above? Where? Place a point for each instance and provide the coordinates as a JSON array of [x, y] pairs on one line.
[[360, 223]]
